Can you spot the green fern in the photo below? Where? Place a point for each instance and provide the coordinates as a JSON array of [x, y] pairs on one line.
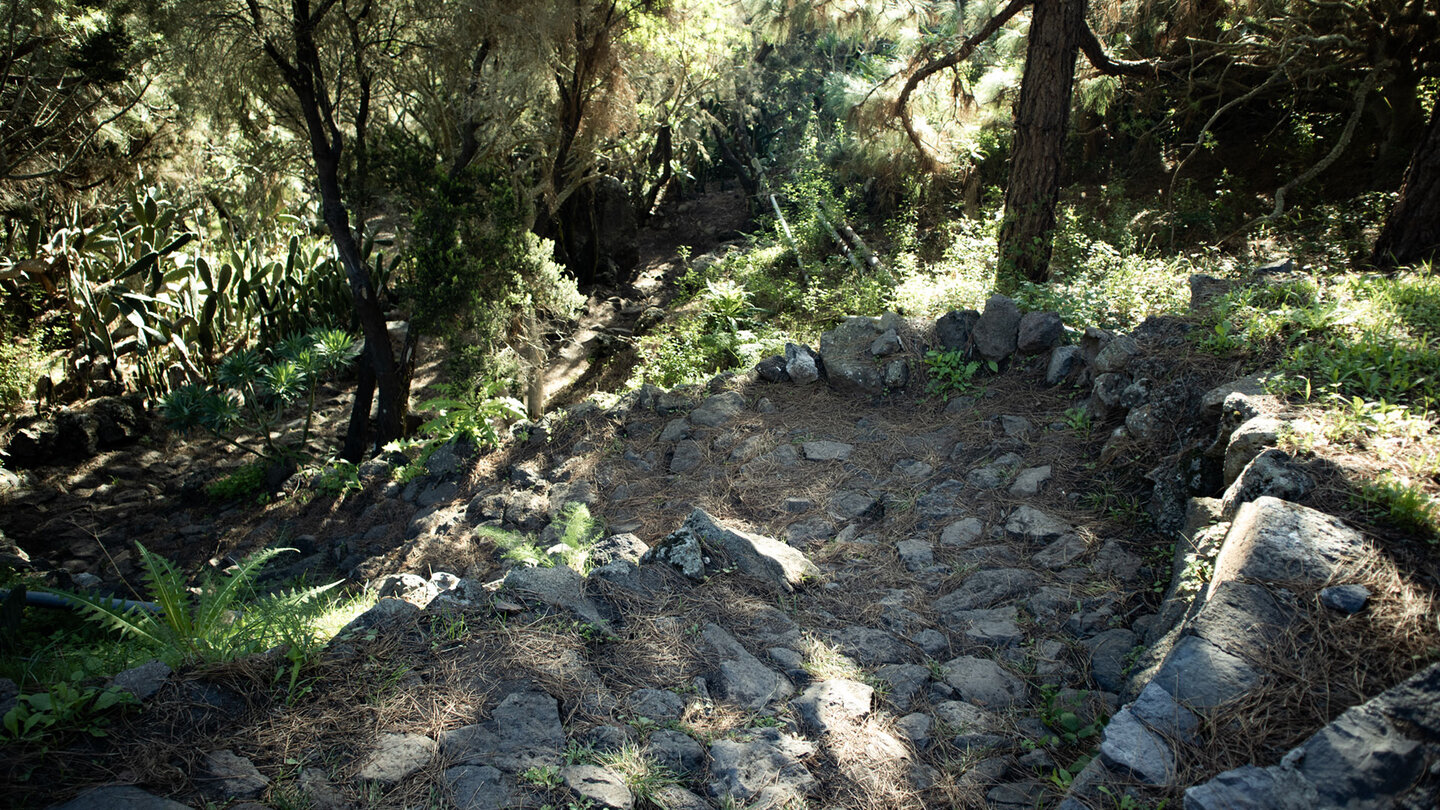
[[216, 626]]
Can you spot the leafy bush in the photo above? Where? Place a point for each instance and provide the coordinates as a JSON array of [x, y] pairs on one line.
[[19, 368], [223, 622], [1404, 505]]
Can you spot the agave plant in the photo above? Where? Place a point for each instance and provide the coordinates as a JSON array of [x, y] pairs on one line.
[[217, 624]]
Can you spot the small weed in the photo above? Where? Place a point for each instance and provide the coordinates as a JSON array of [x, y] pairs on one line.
[[547, 777], [65, 707], [1078, 420]]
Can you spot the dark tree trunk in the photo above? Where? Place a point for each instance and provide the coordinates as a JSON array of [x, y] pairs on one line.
[[357, 433], [1041, 116], [1412, 232], [305, 75]]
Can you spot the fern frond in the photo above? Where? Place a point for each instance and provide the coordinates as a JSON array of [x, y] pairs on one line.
[[167, 589], [110, 613], [504, 538], [215, 602]]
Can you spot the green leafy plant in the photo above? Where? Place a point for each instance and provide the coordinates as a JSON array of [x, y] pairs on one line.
[[546, 776], [65, 706], [220, 624], [472, 417], [949, 374], [1063, 717], [1078, 420], [579, 531], [338, 478]]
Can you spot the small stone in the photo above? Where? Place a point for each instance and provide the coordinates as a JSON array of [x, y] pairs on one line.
[[119, 797], [656, 704], [796, 506], [990, 627], [765, 770], [689, 454], [912, 468], [1345, 598], [962, 533], [396, 756], [916, 728], [1272, 473], [1016, 427], [718, 409], [1031, 525], [142, 681], [1064, 361], [955, 329], [802, 364], [983, 682], [1030, 482], [676, 751], [827, 450], [600, 785], [905, 681], [833, 706], [996, 331], [1128, 744], [675, 430], [1108, 653], [916, 554], [887, 344], [225, 775], [871, 646], [1116, 355], [1039, 331], [932, 641], [479, 787], [1062, 552], [772, 369]]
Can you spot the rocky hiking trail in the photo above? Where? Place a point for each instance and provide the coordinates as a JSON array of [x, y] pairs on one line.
[[815, 587]]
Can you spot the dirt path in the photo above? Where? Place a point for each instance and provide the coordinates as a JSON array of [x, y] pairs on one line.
[[963, 625]]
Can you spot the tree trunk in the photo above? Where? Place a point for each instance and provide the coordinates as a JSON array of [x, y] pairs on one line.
[[1412, 232], [1041, 116]]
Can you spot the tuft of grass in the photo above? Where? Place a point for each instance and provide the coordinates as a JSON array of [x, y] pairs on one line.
[[1402, 504]]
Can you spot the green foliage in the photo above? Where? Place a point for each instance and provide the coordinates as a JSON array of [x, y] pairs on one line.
[[1373, 337], [474, 268], [1402, 504], [1063, 717], [246, 481], [265, 390], [19, 368], [1078, 419], [949, 374], [224, 622], [144, 286], [470, 416], [579, 531], [338, 479], [65, 707]]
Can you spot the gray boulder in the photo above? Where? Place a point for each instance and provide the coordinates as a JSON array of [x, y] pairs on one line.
[[1272, 473], [996, 332], [119, 797], [765, 771], [761, 557], [849, 364], [1039, 332], [1064, 362], [956, 330], [557, 587], [743, 680], [802, 364]]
